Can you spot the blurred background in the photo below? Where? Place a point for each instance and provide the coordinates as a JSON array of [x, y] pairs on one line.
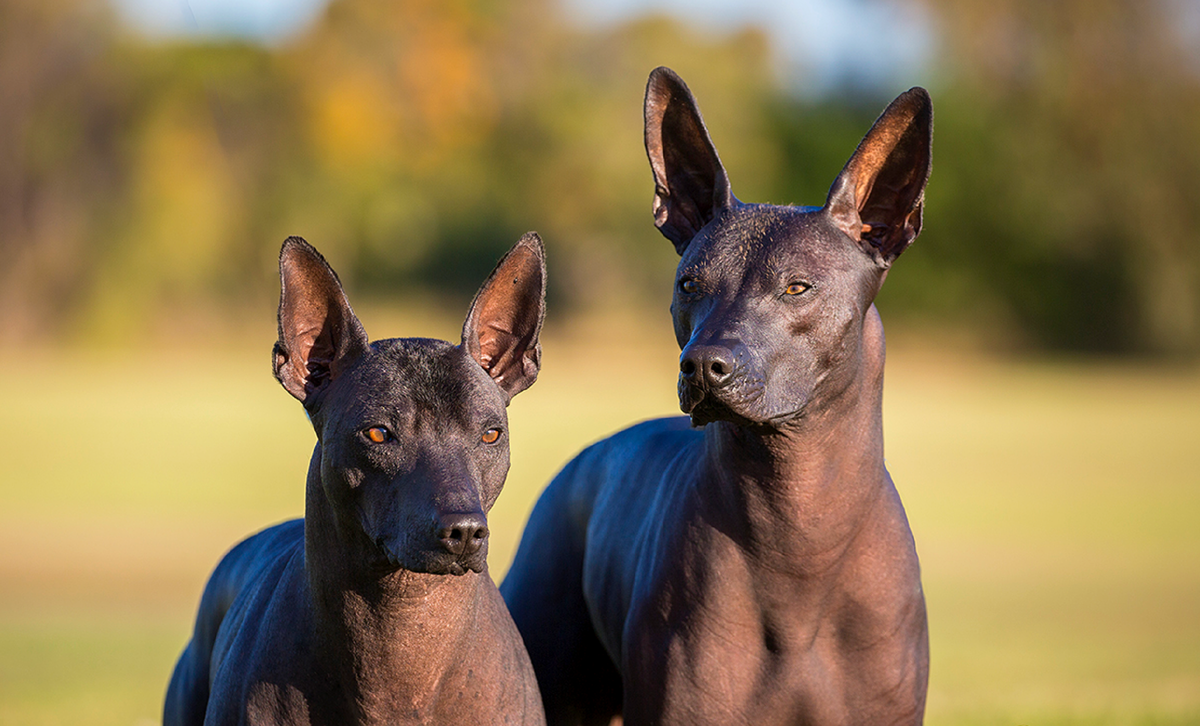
[[1043, 397]]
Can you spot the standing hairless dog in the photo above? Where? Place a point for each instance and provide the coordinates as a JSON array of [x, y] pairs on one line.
[[750, 563], [377, 607]]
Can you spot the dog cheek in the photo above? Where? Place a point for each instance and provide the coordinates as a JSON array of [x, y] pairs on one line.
[[689, 396], [800, 327], [339, 479], [683, 330], [491, 482], [798, 385], [839, 364]]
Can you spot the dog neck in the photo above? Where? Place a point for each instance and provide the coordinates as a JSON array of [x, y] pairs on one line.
[[806, 488], [387, 636]]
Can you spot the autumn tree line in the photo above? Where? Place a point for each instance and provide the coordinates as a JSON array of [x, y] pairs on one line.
[[414, 140]]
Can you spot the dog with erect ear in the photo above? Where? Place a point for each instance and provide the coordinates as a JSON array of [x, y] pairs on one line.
[[377, 606], [749, 562]]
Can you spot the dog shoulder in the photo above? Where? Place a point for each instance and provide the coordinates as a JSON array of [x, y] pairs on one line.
[[243, 563], [651, 435], [614, 454], [246, 580]]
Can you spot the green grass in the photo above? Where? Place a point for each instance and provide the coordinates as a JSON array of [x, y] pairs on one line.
[[1056, 509]]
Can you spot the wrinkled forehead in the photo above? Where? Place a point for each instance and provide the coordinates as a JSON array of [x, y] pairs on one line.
[[770, 241], [422, 379]]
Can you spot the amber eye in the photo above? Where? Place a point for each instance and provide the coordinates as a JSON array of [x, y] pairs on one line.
[[688, 285], [491, 436], [796, 288], [378, 434]]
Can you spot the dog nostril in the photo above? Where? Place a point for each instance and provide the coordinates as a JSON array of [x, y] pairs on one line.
[[452, 540], [717, 367], [687, 367], [463, 537], [478, 536]]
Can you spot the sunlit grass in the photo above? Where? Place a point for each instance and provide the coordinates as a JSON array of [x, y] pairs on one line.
[[84, 668], [1056, 509]]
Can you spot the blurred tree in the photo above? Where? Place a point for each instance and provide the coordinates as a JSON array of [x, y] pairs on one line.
[[576, 142], [1067, 171], [401, 104], [59, 156], [133, 176], [416, 139], [209, 146], [444, 130]]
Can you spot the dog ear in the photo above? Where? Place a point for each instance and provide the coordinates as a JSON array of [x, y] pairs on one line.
[[690, 184], [501, 330], [878, 198], [318, 332]]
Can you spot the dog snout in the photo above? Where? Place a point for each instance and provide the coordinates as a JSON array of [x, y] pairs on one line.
[[710, 366], [462, 534]]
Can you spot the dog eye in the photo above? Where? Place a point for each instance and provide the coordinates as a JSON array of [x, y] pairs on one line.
[[491, 436], [688, 285], [796, 288], [378, 434]]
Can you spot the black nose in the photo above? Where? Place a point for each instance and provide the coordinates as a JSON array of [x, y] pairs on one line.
[[709, 365], [462, 534]]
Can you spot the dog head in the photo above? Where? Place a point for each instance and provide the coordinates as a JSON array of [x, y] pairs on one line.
[[772, 303], [412, 433]]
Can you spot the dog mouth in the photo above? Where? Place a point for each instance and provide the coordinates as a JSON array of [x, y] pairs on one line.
[[738, 403], [458, 567], [431, 562]]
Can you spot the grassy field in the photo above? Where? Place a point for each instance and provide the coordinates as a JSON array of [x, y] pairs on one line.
[[1056, 508]]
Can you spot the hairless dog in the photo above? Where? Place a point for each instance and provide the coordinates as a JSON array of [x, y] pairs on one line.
[[751, 562], [377, 607]]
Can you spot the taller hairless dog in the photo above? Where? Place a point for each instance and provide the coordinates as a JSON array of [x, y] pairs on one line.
[[751, 564]]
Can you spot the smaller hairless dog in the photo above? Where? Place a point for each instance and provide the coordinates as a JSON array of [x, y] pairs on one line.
[[751, 564], [377, 607]]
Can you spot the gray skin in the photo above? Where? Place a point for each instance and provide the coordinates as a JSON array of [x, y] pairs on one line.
[[377, 607], [751, 562]]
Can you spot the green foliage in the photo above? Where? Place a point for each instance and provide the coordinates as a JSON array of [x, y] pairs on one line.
[[414, 141], [1066, 183]]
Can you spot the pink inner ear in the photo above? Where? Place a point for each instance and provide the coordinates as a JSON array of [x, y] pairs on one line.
[[317, 329], [887, 174], [501, 330], [498, 344]]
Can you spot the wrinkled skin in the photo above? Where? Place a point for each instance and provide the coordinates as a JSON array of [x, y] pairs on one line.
[[751, 562], [377, 607]]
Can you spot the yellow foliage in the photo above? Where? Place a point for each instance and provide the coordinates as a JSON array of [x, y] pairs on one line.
[[184, 197], [397, 83], [352, 124], [183, 212]]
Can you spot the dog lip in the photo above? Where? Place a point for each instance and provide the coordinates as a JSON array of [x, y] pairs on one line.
[[690, 395], [388, 560], [430, 563], [708, 407], [779, 420], [455, 568], [705, 415]]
